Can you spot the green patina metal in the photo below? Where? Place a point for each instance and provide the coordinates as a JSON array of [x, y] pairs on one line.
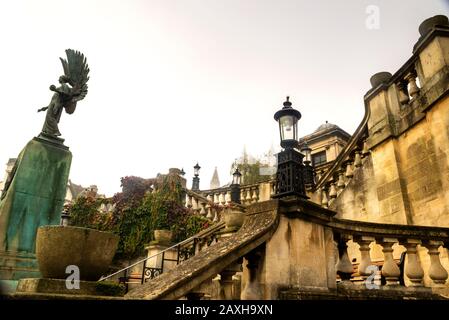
[[36, 194], [34, 197]]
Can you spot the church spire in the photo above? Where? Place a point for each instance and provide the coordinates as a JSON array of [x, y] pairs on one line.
[[215, 182]]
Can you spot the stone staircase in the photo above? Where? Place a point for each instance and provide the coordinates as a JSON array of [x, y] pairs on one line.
[[216, 259], [312, 262]]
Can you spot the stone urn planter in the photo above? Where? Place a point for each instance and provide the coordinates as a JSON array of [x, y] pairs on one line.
[[90, 250], [163, 236], [233, 218]]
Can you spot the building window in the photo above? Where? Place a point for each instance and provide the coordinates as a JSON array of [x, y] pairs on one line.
[[319, 158]]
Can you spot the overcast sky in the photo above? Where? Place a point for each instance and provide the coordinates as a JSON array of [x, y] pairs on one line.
[[179, 81]]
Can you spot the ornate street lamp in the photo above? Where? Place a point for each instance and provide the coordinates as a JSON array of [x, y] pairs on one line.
[[308, 168], [196, 179], [290, 170], [288, 118], [182, 173], [235, 186]]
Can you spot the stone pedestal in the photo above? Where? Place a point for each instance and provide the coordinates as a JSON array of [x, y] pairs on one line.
[[58, 289], [170, 256], [33, 197]]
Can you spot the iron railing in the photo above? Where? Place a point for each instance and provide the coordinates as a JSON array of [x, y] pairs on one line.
[[184, 250]]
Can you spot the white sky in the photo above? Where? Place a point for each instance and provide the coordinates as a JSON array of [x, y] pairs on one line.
[[179, 81]]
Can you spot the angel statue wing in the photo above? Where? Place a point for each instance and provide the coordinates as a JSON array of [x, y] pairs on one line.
[[77, 71]]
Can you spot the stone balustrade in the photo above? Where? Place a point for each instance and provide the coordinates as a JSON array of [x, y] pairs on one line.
[[249, 194], [403, 90], [206, 206], [407, 84], [221, 197], [342, 175], [416, 242]]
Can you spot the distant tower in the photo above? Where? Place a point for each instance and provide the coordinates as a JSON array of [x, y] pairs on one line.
[[215, 182]]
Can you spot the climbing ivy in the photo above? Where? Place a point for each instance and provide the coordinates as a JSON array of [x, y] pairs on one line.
[[144, 205]]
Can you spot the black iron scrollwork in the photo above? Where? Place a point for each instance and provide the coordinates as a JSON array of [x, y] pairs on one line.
[[150, 273]]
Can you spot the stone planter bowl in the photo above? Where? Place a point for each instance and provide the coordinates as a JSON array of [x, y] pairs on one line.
[[60, 246], [233, 219], [163, 236]]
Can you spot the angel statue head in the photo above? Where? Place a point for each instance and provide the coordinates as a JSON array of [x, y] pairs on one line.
[[64, 79], [76, 73]]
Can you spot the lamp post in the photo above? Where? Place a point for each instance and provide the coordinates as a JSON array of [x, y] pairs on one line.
[[308, 168], [196, 179], [235, 186], [290, 170]]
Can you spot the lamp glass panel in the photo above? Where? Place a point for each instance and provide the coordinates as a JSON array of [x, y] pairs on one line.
[[287, 125]]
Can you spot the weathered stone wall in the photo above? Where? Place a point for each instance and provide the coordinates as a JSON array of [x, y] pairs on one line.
[[300, 253], [405, 179]]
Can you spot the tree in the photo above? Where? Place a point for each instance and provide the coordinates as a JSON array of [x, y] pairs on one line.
[[250, 168]]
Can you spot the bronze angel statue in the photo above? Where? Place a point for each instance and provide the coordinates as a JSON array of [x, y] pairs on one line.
[[73, 88]]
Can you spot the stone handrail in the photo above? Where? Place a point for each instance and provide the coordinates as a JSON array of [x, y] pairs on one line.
[[192, 241], [206, 202], [201, 205], [385, 235]]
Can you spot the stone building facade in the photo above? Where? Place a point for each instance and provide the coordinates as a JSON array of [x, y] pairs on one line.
[[326, 142]]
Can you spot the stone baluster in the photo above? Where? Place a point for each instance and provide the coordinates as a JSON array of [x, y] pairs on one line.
[[254, 196], [357, 159], [413, 89], [403, 93], [365, 260], [413, 269], [344, 266], [216, 217], [341, 180], [390, 269], [222, 198], [365, 150], [436, 271], [217, 198], [227, 282], [349, 171], [237, 286], [209, 207], [252, 290], [324, 200], [228, 197], [242, 196], [203, 210], [332, 191], [248, 195]]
